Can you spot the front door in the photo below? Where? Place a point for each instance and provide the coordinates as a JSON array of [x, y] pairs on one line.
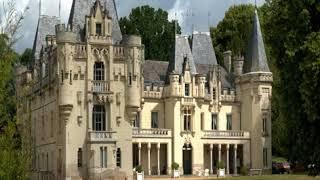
[[187, 159]]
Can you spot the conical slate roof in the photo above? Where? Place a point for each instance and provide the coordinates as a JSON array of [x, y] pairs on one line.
[[256, 59], [182, 50], [202, 49], [81, 8]]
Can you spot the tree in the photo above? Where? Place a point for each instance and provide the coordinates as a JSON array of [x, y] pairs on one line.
[[233, 31], [26, 57], [292, 32], [158, 34]]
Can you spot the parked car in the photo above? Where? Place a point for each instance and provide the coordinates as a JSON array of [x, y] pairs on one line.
[[280, 168]]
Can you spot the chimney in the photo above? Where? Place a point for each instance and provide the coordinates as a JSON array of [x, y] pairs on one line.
[[227, 60], [238, 65]]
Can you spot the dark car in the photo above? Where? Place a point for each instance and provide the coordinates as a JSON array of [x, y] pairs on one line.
[[280, 168]]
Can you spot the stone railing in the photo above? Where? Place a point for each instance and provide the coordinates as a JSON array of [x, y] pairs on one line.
[[102, 136], [100, 86], [118, 52], [81, 51], [232, 134], [187, 101], [151, 133]]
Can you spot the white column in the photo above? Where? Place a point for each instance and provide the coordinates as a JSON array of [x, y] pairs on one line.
[[227, 170], [139, 150], [235, 159], [158, 148], [149, 148], [169, 158], [211, 168], [219, 148]]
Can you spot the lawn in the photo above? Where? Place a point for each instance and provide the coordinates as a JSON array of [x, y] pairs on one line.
[[274, 177]]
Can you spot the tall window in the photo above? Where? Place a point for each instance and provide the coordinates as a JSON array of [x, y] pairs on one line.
[[98, 71], [214, 121], [154, 120], [214, 93], [229, 122], [80, 157], [264, 123], [98, 117], [98, 29], [187, 120], [103, 157], [136, 122], [118, 157], [187, 89], [202, 121], [265, 157], [51, 124]]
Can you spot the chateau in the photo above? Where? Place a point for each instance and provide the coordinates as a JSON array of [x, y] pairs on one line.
[[94, 108]]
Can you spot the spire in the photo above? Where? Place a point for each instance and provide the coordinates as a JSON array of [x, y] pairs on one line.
[[256, 59]]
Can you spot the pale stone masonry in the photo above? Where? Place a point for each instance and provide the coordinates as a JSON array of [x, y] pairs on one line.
[[97, 109]]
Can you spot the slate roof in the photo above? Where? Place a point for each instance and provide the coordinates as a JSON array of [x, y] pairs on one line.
[[154, 72], [256, 59], [81, 8], [202, 49], [46, 26], [181, 50]]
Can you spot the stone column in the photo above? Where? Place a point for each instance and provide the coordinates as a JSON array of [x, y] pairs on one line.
[[149, 159], [211, 168], [219, 149], [235, 159], [169, 158], [139, 149], [158, 148], [227, 170]]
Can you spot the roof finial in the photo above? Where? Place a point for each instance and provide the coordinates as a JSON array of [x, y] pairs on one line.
[[59, 9]]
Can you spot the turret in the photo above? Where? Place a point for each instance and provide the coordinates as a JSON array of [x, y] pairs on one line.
[[201, 79], [174, 84], [227, 60], [65, 34]]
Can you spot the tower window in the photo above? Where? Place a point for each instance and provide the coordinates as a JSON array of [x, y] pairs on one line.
[[118, 157], [136, 122], [265, 157], [80, 157], [202, 121], [98, 71], [187, 90], [229, 122], [264, 123], [187, 120], [214, 121], [214, 93], [154, 120], [98, 29], [98, 117]]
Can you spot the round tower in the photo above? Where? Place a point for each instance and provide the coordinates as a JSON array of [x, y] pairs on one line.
[[174, 84]]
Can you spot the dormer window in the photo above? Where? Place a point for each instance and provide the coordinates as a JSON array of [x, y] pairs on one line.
[[187, 89], [98, 29]]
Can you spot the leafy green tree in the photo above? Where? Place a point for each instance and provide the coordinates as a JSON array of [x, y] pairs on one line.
[[26, 57], [233, 31], [158, 34]]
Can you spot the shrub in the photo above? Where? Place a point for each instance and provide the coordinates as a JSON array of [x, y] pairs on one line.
[[243, 170], [175, 166], [139, 168]]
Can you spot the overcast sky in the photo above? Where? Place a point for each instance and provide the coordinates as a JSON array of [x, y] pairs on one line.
[[199, 14]]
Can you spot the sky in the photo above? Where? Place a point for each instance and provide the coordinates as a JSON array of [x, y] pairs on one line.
[[192, 15]]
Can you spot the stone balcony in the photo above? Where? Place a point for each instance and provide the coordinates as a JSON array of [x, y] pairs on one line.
[[100, 86], [187, 101], [231, 134], [151, 133], [101, 136]]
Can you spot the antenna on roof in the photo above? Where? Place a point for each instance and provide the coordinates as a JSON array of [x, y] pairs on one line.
[[39, 8], [59, 9]]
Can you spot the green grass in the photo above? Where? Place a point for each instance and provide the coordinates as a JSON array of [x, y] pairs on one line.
[[274, 177]]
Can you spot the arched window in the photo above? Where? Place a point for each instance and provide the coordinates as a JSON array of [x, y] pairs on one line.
[[98, 118], [98, 72]]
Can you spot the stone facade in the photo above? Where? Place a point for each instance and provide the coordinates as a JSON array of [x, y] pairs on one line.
[[97, 109]]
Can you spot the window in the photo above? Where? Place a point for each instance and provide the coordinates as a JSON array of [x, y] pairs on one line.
[[98, 29], [214, 121], [52, 125], [229, 122], [154, 120], [265, 157], [118, 157], [80, 157], [202, 121], [187, 89], [98, 71], [101, 157], [214, 93], [264, 123], [187, 120], [99, 116], [136, 122], [130, 79]]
